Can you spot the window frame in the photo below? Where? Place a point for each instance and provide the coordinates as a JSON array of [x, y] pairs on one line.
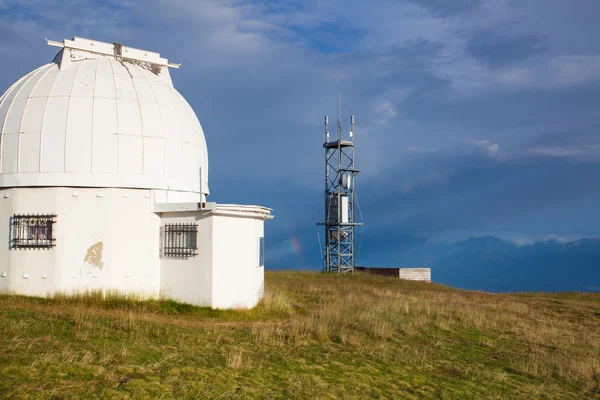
[[261, 251], [26, 230], [180, 240]]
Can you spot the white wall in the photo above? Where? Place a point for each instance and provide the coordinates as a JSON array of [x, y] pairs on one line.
[[415, 274], [226, 272], [237, 277], [189, 280], [118, 223]]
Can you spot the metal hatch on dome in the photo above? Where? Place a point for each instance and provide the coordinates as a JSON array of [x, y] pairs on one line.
[[116, 50]]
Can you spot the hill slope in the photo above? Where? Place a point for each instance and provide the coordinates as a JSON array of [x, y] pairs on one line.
[[313, 336]]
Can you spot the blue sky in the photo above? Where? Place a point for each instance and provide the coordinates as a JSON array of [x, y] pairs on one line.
[[474, 117]]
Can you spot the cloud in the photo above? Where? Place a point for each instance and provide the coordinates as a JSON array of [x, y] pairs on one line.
[[575, 145], [489, 148]]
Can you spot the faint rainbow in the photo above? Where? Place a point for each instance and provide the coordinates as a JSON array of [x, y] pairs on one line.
[[295, 245]]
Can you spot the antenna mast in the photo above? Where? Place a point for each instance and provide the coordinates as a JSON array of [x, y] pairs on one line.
[[339, 199]]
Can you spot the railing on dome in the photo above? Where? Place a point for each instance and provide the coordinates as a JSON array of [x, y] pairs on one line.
[[32, 231], [180, 240]]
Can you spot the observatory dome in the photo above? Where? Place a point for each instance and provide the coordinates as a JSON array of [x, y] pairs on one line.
[[101, 115]]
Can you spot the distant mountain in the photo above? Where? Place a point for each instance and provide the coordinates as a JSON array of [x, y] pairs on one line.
[[492, 264]]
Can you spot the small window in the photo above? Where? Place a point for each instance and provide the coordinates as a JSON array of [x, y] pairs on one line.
[[261, 252], [180, 240], [33, 231]]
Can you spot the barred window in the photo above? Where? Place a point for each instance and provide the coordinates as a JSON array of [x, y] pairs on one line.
[[261, 252], [32, 231], [180, 240]]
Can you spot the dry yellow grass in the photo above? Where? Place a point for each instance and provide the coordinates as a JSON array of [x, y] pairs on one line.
[[312, 336]]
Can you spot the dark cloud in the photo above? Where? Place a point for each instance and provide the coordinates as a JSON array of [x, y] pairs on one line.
[[448, 8], [498, 51]]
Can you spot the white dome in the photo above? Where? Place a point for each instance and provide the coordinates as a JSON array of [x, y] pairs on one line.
[[93, 119]]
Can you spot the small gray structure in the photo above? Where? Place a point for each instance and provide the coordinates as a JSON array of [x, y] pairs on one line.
[[411, 274]]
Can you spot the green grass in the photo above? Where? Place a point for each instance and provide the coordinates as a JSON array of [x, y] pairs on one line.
[[312, 336]]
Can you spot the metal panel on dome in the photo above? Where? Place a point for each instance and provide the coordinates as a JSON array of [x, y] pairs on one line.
[[64, 83], [128, 117], [173, 158], [79, 152], [29, 160], [151, 121], [10, 151], [169, 122], [119, 69], [12, 92], [30, 84], [12, 125], [153, 156], [83, 86], [105, 116], [104, 66], [130, 155], [125, 88], [104, 153], [189, 160], [45, 85], [53, 150], [104, 86], [4, 106], [161, 92], [55, 117], [133, 71], [143, 90], [185, 133], [34, 114], [80, 114]]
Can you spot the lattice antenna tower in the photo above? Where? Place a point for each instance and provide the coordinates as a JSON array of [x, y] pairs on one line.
[[339, 224]]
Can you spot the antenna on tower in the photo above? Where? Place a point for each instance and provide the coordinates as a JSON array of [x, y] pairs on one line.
[[340, 105]]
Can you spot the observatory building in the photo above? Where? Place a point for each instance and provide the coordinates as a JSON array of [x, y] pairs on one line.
[[103, 185]]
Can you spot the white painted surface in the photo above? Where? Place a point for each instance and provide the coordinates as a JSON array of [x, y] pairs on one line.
[[416, 274], [126, 228], [343, 210], [189, 280], [238, 279], [119, 227], [226, 271], [88, 119]]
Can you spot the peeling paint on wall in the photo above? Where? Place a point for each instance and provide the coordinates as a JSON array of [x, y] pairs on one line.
[[94, 255]]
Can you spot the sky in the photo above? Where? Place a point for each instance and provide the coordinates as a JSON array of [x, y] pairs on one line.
[[473, 117]]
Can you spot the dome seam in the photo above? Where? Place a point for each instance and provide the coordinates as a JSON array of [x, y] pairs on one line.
[[140, 113], [2, 100], [93, 117], [43, 73], [67, 120], [44, 120], [25, 79], [116, 112], [161, 125]]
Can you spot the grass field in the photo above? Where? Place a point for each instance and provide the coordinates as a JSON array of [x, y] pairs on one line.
[[312, 336]]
